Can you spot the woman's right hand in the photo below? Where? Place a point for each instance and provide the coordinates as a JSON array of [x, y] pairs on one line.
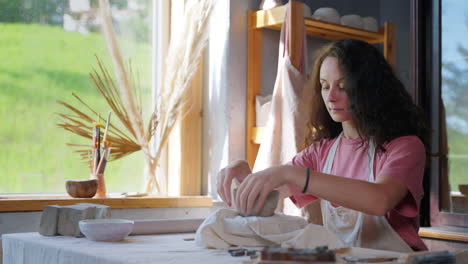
[[239, 170]]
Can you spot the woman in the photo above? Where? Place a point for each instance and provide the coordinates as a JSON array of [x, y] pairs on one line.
[[366, 157]]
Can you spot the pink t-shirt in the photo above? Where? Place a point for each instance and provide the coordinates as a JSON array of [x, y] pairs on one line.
[[403, 159]]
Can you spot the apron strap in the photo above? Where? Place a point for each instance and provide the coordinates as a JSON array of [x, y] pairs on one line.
[[370, 164], [331, 155]]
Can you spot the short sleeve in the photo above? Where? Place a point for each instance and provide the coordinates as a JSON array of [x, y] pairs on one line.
[[308, 158], [405, 159]]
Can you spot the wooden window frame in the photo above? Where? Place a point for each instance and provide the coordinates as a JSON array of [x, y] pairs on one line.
[[189, 135], [183, 152]]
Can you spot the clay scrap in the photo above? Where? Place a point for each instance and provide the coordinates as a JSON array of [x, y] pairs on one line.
[[63, 220]]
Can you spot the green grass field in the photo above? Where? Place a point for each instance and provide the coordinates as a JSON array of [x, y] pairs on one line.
[[458, 158], [39, 65]]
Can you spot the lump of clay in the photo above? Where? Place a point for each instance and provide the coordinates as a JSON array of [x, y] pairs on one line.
[[268, 208], [64, 220], [327, 14]]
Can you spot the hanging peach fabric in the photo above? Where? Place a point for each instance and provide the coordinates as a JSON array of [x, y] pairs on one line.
[[290, 107]]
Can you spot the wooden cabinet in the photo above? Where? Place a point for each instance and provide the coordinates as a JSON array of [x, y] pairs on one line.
[[273, 19]]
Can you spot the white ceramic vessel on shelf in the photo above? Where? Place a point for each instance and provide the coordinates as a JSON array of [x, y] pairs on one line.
[[370, 23], [352, 20], [106, 229], [269, 4], [327, 14]]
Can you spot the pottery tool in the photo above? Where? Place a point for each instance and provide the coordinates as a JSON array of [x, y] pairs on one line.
[[104, 153], [356, 259], [276, 253], [238, 252], [433, 257], [96, 145], [107, 127], [104, 157]]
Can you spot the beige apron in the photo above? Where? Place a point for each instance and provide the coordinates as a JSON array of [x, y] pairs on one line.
[[357, 229], [290, 108]]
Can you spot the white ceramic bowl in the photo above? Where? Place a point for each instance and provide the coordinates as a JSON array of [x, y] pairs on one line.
[[106, 229], [352, 20], [327, 14]]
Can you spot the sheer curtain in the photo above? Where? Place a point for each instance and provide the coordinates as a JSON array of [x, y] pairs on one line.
[[180, 164]]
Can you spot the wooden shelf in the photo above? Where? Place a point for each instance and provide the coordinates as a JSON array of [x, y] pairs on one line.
[[274, 19], [31, 203]]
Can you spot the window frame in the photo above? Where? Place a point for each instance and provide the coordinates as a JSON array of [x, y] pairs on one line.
[[160, 39]]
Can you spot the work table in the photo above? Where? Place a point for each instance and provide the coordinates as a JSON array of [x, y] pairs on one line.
[[175, 248]]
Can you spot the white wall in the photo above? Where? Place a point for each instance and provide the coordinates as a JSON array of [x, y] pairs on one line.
[[398, 12], [225, 95]]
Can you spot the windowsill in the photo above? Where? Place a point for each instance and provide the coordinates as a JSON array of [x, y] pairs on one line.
[[450, 233], [26, 203]]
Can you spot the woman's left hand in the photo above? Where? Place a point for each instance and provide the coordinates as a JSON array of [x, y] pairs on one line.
[[257, 186]]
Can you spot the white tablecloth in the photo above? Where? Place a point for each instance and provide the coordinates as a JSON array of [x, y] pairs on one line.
[[25, 248]]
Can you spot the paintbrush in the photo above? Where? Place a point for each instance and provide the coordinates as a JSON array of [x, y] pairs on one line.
[[107, 127], [96, 144], [104, 155]]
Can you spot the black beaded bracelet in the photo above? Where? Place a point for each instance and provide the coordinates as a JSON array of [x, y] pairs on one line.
[[307, 180]]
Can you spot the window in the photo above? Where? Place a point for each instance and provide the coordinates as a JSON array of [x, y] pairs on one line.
[[441, 86], [454, 104], [47, 50]]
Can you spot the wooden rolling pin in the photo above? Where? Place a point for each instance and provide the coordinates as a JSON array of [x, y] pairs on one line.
[[166, 226]]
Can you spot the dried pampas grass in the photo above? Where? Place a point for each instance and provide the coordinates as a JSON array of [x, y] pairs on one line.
[[181, 65]]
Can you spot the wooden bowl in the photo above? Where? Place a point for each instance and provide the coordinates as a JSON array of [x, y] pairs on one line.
[[81, 188]]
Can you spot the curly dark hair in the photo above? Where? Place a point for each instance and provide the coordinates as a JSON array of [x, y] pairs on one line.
[[381, 107]]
